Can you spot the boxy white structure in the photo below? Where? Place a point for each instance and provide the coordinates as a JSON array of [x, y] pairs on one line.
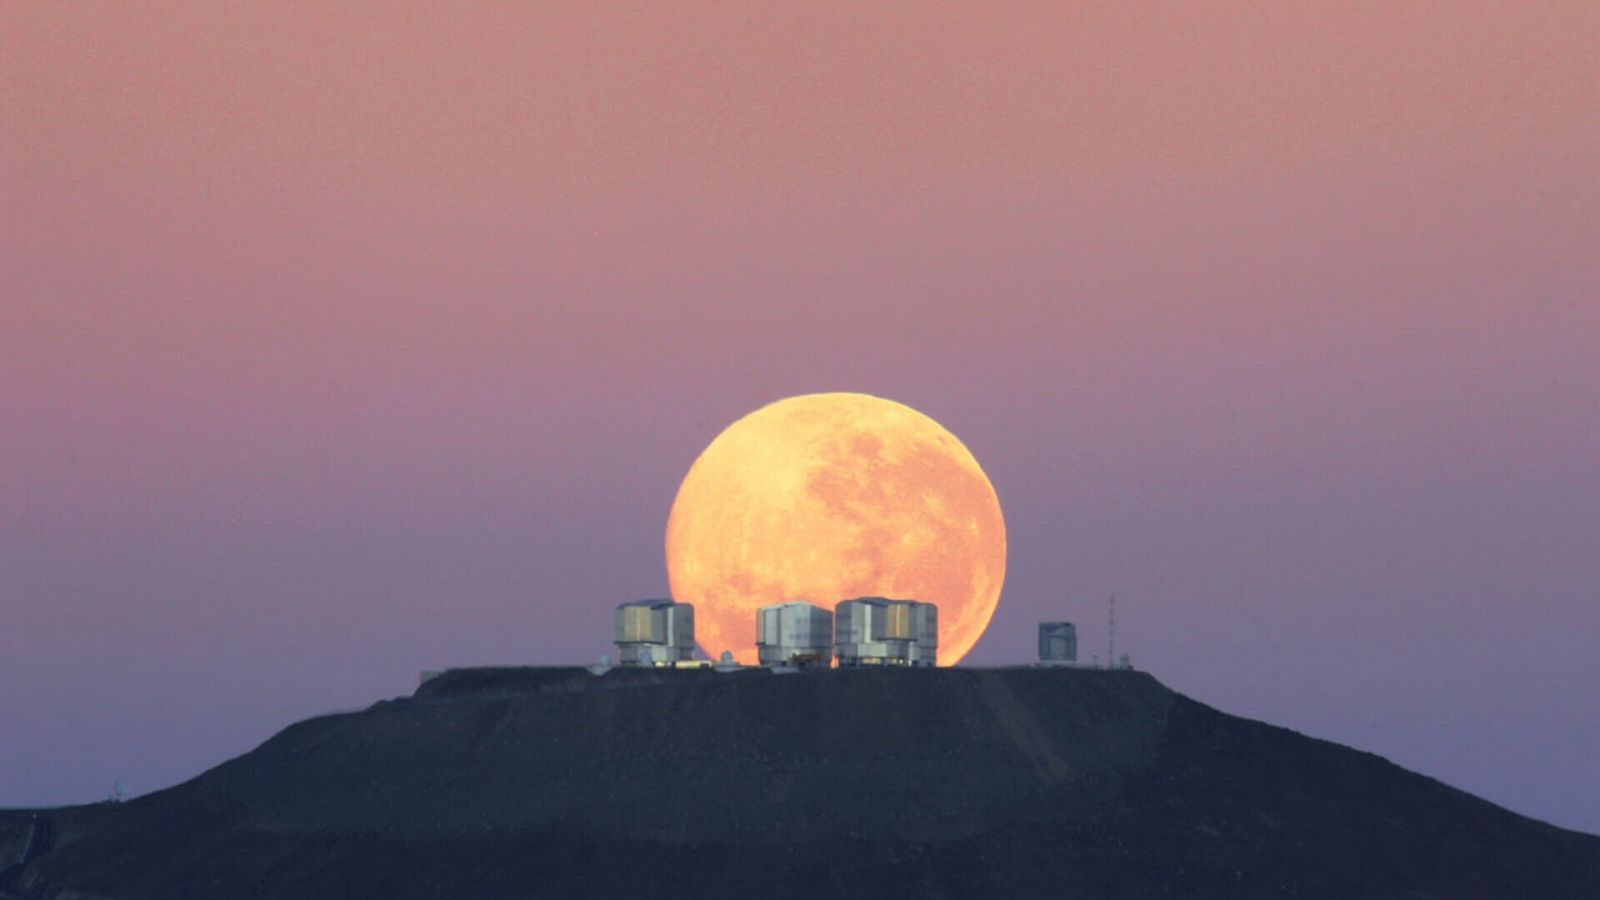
[[1058, 644], [874, 631], [654, 633], [794, 634]]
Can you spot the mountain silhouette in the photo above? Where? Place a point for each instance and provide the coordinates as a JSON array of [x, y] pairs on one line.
[[956, 782]]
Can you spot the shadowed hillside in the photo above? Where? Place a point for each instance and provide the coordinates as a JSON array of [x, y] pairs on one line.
[[941, 783]]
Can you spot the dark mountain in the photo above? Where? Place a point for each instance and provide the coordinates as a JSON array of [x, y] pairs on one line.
[[955, 783]]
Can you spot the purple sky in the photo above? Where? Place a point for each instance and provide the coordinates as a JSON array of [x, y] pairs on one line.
[[338, 344]]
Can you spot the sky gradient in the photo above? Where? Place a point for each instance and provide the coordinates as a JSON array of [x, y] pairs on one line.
[[339, 341]]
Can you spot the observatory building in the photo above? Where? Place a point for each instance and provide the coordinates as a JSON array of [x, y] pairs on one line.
[[795, 634], [654, 633], [873, 631], [1058, 644]]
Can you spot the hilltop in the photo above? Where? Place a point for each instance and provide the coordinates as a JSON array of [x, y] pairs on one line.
[[934, 783]]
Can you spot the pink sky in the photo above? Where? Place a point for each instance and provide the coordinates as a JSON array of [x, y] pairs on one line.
[[337, 343]]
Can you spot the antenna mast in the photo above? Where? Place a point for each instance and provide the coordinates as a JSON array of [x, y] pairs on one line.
[[1111, 639]]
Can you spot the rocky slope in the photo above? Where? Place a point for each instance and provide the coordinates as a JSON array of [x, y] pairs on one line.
[[932, 783]]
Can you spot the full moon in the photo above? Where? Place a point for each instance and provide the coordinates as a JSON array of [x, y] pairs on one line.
[[827, 497]]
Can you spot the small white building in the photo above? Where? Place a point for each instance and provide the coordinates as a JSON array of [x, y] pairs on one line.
[[874, 631], [794, 634], [654, 633], [1058, 644]]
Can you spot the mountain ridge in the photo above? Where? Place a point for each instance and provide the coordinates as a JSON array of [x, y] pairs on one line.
[[946, 782]]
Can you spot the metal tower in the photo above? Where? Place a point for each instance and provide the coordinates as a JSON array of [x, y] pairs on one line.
[[1111, 636]]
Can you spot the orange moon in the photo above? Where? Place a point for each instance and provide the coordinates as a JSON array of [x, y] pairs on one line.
[[826, 497]]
